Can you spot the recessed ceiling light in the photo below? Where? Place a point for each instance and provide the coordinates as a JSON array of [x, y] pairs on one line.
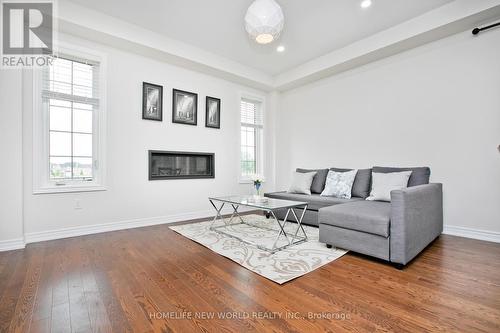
[[366, 3], [280, 48]]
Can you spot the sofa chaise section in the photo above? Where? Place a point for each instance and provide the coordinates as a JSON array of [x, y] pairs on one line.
[[395, 231]]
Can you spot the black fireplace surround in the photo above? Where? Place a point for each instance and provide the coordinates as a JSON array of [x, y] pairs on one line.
[[180, 165]]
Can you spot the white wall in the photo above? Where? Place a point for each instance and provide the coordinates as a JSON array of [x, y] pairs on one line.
[[437, 105], [130, 195], [11, 205]]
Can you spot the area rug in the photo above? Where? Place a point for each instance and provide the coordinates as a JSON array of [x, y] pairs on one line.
[[279, 267]]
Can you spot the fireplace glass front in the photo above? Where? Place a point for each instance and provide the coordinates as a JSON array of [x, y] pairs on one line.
[[180, 165]]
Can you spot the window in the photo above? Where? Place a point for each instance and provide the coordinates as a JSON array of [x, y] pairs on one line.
[[251, 138], [70, 117]]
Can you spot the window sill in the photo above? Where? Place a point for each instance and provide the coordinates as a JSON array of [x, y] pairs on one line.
[[247, 181], [69, 189]]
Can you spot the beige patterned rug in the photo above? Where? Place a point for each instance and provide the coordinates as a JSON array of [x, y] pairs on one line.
[[279, 267]]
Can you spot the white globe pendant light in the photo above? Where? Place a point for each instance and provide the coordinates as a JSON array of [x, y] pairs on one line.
[[264, 21]]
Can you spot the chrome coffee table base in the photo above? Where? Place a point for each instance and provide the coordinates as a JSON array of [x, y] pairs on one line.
[[237, 219]]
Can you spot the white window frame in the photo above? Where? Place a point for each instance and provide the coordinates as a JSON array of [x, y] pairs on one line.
[[41, 163], [260, 139]]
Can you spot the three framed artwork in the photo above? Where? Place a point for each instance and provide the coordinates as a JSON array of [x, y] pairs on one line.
[[184, 106]]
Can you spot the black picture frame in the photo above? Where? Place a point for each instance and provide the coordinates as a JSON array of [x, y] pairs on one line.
[[190, 116], [209, 118], [148, 111]]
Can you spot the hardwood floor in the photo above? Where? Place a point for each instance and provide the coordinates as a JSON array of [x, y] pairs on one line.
[[155, 280]]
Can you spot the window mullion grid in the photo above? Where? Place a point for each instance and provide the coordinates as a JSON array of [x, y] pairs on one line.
[[255, 154], [250, 123], [75, 132], [49, 93], [72, 134], [249, 146]]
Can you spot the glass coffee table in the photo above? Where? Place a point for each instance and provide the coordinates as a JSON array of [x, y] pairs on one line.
[[268, 206]]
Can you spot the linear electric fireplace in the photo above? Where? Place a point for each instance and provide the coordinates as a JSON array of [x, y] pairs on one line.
[[180, 165]]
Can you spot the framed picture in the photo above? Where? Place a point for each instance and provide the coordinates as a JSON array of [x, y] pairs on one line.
[[184, 107], [152, 101], [212, 116]]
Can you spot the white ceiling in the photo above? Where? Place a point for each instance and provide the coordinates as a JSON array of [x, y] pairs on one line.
[[312, 27]]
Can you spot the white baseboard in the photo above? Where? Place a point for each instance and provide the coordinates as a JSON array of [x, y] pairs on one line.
[[490, 236], [33, 237], [41, 236], [19, 243], [12, 244]]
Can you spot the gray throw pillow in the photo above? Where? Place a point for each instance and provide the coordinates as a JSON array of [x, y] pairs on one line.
[[362, 182], [301, 183], [419, 175], [319, 179]]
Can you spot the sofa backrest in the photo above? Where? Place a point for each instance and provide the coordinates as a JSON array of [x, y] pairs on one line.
[[419, 175], [362, 183]]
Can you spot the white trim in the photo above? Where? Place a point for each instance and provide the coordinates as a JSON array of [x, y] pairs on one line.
[[490, 236], [262, 147], [40, 130], [33, 237], [12, 244], [41, 236], [69, 189]]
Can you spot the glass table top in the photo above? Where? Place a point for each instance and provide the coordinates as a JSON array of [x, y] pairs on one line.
[[249, 200]]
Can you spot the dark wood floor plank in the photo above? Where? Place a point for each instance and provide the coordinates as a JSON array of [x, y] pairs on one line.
[[43, 302], [166, 292], [14, 285], [40, 326], [61, 320], [25, 303], [79, 310], [10, 261], [182, 270], [101, 261], [98, 316], [114, 282], [200, 280]]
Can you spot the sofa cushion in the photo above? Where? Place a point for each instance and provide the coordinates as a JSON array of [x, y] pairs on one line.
[[367, 216], [419, 175], [362, 182], [315, 201], [319, 179]]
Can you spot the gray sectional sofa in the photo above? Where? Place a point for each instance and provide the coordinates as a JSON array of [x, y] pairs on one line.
[[395, 231]]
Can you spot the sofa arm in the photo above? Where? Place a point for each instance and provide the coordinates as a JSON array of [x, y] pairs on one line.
[[416, 220]]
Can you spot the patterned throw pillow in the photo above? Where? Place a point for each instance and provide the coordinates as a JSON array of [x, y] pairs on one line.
[[339, 184]]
